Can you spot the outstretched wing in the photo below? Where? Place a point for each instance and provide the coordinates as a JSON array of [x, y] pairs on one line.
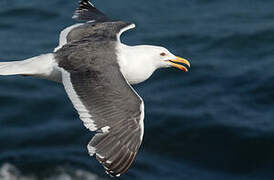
[[99, 31], [106, 30], [87, 12], [98, 26], [105, 102]]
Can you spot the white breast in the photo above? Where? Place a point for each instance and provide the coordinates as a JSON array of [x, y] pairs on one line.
[[134, 63]]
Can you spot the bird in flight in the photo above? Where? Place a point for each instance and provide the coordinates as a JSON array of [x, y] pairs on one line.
[[97, 71]]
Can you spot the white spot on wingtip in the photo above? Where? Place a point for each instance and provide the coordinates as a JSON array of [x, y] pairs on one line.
[[91, 4], [108, 162], [100, 156], [105, 129], [75, 16], [108, 173], [92, 21]]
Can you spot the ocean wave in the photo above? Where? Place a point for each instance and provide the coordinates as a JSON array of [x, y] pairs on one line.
[[10, 172], [28, 11]]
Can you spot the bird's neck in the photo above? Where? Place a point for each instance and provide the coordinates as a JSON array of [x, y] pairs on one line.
[[134, 63]]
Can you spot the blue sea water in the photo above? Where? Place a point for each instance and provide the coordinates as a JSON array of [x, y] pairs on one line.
[[215, 122]]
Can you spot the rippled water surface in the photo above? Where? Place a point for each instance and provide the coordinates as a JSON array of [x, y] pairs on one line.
[[215, 122]]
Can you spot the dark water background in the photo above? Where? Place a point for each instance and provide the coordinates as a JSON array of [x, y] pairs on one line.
[[215, 122]]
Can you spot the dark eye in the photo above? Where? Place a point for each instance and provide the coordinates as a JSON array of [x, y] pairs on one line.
[[163, 54]]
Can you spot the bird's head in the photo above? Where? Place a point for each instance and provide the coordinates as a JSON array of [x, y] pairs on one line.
[[163, 58], [139, 62]]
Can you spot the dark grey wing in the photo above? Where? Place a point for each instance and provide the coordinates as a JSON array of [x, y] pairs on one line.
[[99, 31], [95, 31], [87, 12], [105, 102]]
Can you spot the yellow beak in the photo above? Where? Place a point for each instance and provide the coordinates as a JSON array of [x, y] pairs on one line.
[[177, 63]]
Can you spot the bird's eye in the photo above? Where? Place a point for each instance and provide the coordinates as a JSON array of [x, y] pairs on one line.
[[163, 54]]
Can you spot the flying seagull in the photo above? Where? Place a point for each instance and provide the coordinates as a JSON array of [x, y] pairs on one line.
[[97, 71]]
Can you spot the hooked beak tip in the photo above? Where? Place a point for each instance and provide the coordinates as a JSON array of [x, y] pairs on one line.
[[180, 63]]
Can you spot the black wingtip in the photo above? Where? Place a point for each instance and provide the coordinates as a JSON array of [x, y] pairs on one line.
[[86, 11], [85, 4]]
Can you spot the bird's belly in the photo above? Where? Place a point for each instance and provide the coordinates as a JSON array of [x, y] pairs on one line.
[[135, 77]]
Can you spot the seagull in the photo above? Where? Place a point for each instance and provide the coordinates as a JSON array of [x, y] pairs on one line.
[[97, 71]]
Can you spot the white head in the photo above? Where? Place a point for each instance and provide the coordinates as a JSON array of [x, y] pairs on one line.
[[162, 58], [139, 62]]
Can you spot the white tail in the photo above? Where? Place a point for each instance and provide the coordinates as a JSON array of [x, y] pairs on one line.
[[40, 66]]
